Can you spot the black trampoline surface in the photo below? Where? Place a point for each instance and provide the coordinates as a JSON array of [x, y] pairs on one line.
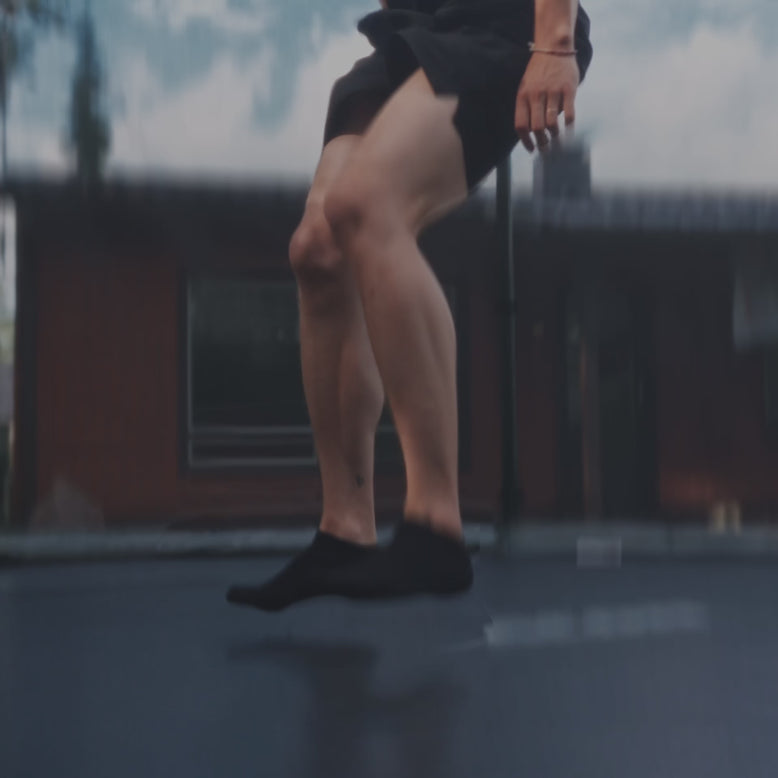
[[657, 669]]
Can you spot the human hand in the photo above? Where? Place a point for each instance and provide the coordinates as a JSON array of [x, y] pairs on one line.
[[547, 89]]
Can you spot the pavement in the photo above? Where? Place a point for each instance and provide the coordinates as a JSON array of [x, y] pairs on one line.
[[593, 665]]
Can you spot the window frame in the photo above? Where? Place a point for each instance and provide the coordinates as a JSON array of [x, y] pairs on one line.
[[388, 462], [191, 435]]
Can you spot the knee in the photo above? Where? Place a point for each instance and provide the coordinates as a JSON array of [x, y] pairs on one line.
[[353, 210], [313, 255]]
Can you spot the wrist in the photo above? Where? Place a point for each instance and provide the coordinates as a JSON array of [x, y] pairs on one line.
[[555, 23], [561, 38]]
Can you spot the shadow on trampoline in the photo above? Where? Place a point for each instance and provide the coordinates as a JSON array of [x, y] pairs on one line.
[[351, 727]]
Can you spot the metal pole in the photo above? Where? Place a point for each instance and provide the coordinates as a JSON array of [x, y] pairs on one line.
[[511, 491], [4, 31], [4, 94]]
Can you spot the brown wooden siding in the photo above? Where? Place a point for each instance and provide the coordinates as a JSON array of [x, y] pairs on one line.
[[713, 439], [538, 344], [109, 388], [100, 381]]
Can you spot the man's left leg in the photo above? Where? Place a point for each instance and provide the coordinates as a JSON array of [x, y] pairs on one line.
[[408, 171]]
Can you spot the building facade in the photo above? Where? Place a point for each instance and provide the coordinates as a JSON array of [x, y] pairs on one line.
[[157, 356]]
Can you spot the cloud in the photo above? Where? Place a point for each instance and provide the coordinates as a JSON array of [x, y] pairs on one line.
[[249, 19], [691, 109], [210, 127], [643, 24], [696, 112], [36, 146]]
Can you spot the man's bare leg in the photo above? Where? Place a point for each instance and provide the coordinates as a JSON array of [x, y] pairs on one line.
[[343, 392], [342, 386], [408, 170]]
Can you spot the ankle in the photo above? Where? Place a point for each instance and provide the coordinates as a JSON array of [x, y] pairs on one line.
[[447, 523], [359, 530]]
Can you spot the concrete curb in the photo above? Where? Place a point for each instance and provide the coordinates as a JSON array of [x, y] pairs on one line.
[[591, 544], [51, 547], [82, 546], [602, 544]]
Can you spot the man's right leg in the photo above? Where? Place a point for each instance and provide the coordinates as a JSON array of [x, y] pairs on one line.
[[343, 392], [343, 389]]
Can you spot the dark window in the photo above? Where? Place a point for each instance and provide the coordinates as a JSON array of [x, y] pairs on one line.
[[245, 399]]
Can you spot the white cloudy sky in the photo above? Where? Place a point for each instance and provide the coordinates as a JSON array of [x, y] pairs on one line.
[[213, 88]]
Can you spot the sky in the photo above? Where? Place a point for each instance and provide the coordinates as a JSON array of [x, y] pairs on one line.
[[678, 95]]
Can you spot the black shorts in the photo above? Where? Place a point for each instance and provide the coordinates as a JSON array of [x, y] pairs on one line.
[[475, 49]]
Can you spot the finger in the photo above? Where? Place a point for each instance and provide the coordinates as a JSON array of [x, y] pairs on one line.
[[553, 108], [569, 106], [526, 139], [522, 123], [538, 120]]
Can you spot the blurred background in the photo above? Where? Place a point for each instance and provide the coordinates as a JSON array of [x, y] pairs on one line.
[[675, 97], [616, 305], [155, 160]]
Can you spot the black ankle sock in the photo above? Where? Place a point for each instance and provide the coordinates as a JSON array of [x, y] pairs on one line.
[[307, 575], [419, 560]]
